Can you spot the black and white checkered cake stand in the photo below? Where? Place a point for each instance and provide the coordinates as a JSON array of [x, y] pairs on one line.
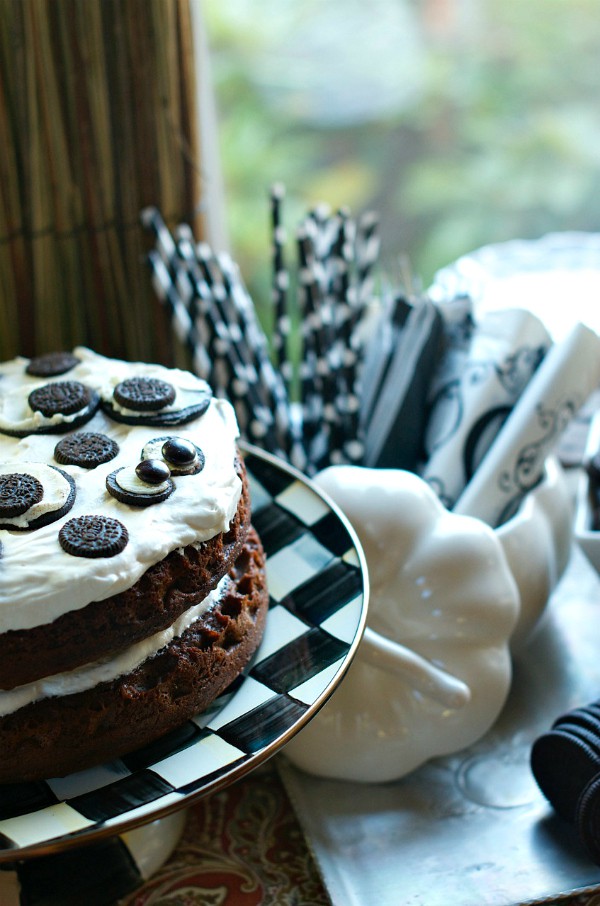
[[318, 602]]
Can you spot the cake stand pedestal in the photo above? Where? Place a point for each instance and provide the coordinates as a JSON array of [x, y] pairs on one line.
[[98, 874]]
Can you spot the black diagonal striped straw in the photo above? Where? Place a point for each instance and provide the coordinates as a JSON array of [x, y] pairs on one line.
[[209, 349], [280, 287], [237, 319], [240, 380], [181, 323], [367, 253], [256, 343], [348, 321], [322, 429], [164, 281]]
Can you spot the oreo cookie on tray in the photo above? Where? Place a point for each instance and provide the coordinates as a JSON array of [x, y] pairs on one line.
[[587, 718], [148, 400], [33, 494], [587, 818], [563, 763]]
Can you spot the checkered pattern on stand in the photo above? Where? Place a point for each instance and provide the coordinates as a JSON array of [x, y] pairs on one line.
[[316, 590]]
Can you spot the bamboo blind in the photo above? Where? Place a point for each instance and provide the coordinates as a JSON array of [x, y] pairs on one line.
[[97, 121]]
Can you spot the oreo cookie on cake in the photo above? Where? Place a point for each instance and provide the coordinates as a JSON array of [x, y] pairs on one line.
[[143, 399], [132, 587]]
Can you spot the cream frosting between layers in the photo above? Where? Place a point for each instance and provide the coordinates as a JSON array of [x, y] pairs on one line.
[[90, 675], [38, 580]]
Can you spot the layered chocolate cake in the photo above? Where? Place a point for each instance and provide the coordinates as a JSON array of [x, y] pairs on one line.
[[132, 584]]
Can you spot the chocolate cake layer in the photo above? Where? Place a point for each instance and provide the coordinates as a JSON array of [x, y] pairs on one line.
[[166, 590], [55, 736]]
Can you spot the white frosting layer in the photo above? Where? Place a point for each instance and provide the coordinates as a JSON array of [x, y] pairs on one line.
[[38, 580], [90, 675]]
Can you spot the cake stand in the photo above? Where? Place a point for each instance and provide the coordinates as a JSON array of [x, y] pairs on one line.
[[96, 835]]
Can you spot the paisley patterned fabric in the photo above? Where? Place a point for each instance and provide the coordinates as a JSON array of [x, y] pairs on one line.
[[241, 847]]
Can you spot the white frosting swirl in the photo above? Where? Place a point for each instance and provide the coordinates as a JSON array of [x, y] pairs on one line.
[[38, 580]]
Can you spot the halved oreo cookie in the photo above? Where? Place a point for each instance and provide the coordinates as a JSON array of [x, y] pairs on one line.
[[156, 403], [35, 495], [93, 536], [51, 364], [19, 491], [181, 455], [87, 449], [66, 405], [126, 486]]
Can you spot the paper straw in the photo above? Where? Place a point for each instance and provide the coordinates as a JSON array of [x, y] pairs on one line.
[[253, 339], [165, 279], [515, 462], [233, 367], [310, 375], [322, 426], [182, 325], [349, 316], [211, 293], [367, 253], [280, 286]]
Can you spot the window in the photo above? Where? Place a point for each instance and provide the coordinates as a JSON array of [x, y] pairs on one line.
[[462, 122]]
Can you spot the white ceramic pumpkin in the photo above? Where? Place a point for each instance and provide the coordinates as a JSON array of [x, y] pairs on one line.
[[434, 668]]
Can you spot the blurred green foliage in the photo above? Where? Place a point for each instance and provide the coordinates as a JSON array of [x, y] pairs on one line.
[[494, 136]]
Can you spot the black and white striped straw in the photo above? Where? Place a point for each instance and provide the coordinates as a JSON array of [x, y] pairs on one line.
[[243, 384], [351, 313], [321, 427], [213, 315], [255, 341], [368, 245], [164, 281], [280, 287]]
